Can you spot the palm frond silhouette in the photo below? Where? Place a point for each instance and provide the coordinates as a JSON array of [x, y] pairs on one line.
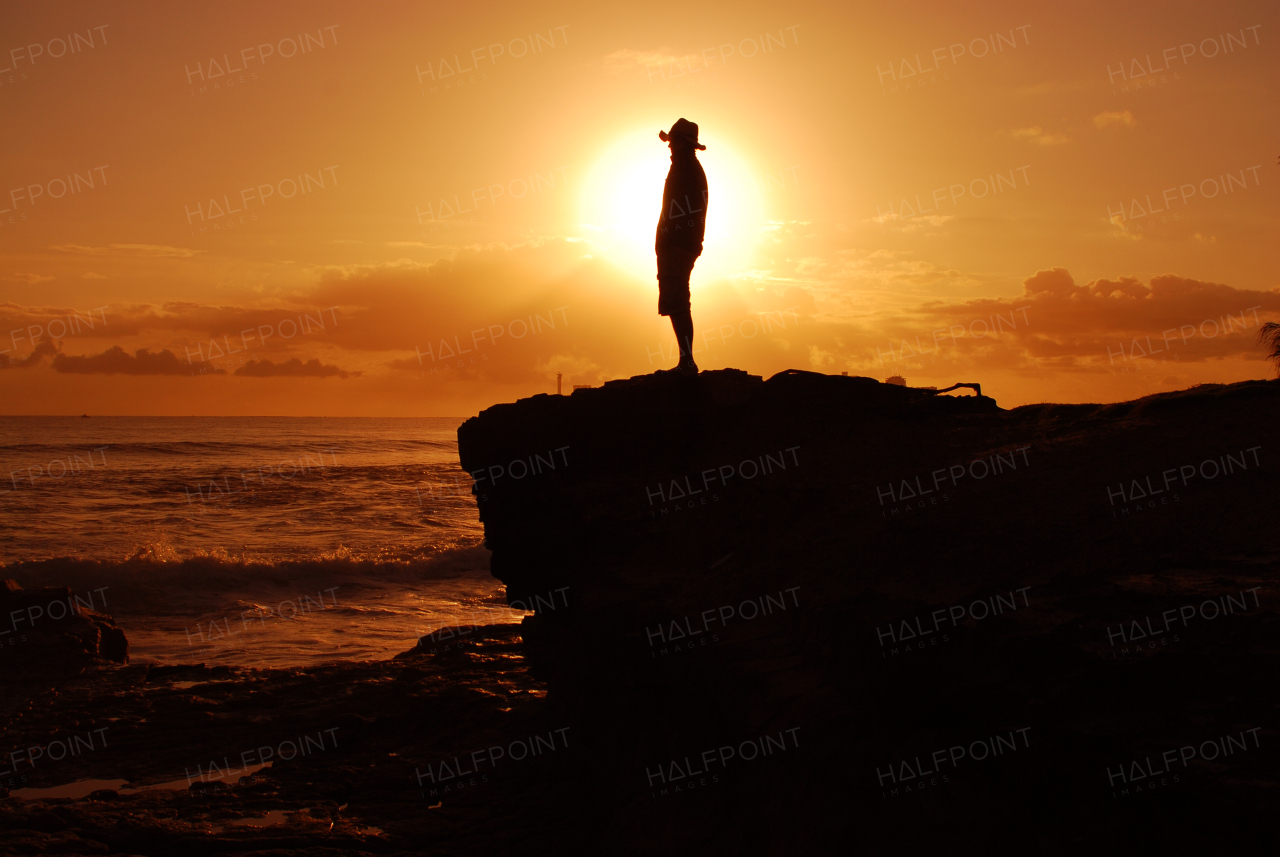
[[1269, 336]]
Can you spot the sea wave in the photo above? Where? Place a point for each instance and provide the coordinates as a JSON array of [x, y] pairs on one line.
[[153, 578], [181, 446]]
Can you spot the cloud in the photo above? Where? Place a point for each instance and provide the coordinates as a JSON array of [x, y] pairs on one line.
[[293, 368], [1122, 228], [19, 323], [913, 223], [44, 348], [1114, 118], [90, 275], [271, 326], [116, 361], [30, 279], [627, 60], [1038, 135], [127, 250], [500, 320], [1058, 324], [387, 307]]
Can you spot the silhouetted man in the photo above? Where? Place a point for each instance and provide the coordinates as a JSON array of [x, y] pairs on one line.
[[679, 241]]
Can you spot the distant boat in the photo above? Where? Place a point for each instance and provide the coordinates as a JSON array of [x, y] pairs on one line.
[[84, 416]]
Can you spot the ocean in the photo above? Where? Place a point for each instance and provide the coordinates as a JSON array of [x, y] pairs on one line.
[[250, 541]]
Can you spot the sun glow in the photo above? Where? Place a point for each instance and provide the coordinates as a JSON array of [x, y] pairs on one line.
[[623, 196]]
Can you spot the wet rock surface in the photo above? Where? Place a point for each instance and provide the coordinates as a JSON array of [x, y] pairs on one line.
[[50, 628], [346, 743], [867, 643]]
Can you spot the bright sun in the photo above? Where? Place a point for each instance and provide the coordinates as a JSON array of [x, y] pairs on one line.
[[623, 195]]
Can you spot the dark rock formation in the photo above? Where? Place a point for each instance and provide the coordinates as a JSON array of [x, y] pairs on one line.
[[50, 629], [189, 739], [738, 558], [916, 625]]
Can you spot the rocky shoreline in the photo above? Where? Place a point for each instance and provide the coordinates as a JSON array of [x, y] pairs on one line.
[[809, 615]]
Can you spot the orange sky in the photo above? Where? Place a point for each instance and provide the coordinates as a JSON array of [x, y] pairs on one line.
[[424, 209]]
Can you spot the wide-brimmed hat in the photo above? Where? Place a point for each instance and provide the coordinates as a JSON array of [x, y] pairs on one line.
[[682, 130]]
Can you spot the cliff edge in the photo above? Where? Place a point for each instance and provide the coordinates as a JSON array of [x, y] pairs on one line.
[[766, 607]]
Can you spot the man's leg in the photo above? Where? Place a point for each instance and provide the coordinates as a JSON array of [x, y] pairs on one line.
[[674, 268], [682, 324]]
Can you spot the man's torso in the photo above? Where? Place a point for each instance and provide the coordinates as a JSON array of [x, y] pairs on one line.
[[683, 220]]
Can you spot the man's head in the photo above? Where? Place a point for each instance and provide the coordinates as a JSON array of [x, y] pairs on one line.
[[683, 136]]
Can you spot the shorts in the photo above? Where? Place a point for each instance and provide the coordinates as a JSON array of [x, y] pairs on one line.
[[674, 268]]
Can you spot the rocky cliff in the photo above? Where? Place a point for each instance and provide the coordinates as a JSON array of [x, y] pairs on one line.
[[764, 605]]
